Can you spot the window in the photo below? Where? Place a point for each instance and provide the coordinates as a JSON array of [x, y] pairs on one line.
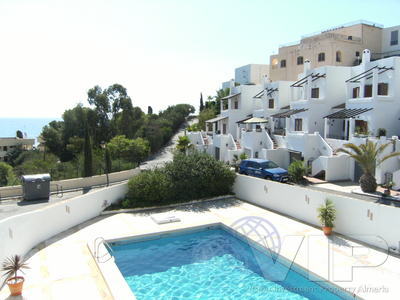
[[321, 56], [283, 63], [5, 148], [394, 38], [298, 124], [356, 92], [368, 90], [236, 105], [300, 60], [224, 104], [357, 53], [383, 89], [338, 56], [269, 165], [271, 103], [315, 93]]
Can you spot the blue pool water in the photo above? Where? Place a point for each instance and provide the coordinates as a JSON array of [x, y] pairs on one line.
[[209, 264]]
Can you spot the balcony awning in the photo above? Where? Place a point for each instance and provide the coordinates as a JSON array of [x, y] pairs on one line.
[[368, 74], [216, 119], [254, 121], [230, 96], [241, 121], [342, 105], [347, 113], [259, 94], [287, 114], [302, 81]]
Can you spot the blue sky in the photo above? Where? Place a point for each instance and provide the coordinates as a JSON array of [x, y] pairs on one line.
[[163, 51]]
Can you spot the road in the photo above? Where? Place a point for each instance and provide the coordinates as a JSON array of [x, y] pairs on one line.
[[165, 154], [14, 207]]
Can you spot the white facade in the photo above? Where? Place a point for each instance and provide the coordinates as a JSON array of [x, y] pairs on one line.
[[251, 74], [7, 144]]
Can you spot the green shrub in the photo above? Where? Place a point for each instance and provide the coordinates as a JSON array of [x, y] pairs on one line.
[[148, 188], [187, 177], [297, 170]]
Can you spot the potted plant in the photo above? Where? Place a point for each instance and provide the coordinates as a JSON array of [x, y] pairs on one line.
[[327, 216], [388, 186], [11, 266]]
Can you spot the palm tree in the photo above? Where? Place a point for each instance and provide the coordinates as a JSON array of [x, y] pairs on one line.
[[184, 144], [367, 155]]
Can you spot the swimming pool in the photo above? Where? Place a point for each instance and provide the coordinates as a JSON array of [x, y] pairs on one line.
[[210, 263]]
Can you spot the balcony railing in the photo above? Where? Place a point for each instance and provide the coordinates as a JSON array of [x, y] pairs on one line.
[[279, 131]]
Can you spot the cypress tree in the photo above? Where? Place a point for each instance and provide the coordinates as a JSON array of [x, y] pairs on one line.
[[149, 110], [201, 102], [88, 158], [108, 160]]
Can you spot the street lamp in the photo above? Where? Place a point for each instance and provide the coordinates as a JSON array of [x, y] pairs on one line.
[[107, 163]]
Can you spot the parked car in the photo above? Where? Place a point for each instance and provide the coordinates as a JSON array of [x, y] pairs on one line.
[[264, 169]]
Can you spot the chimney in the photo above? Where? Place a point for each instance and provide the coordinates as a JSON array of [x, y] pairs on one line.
[[307, 65], [366, 56], [266, 80]]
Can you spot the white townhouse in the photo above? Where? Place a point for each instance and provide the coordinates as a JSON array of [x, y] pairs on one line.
[[221, 138], [372, 104], [371, 112], [254, 131], [312, 97]]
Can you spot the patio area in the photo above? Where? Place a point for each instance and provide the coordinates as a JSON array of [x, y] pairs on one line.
[[64, 268]]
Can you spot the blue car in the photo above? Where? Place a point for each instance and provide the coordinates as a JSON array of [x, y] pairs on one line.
[[264, 169]]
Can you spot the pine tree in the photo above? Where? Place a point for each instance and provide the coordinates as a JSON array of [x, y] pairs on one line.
[[88, 158], [201, 102]]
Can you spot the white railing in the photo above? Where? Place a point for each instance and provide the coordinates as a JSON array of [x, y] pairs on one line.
[[324, 147]]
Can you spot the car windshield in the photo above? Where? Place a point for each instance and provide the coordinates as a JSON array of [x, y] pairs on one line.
[[269, 165]]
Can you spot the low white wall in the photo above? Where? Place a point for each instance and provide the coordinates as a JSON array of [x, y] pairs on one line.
[[75, 183], [362, 220], [20, 233], [279, 156]]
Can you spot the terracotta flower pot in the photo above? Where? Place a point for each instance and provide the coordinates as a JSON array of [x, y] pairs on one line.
[[327, 230], [15, 285]]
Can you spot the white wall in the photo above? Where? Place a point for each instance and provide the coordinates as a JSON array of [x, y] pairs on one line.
[[360, 219], [20, 233], [68, 184], [279, 156]]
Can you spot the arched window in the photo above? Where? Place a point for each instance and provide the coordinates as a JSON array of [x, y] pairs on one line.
[[321, 56], [300, 60], [338, 56]]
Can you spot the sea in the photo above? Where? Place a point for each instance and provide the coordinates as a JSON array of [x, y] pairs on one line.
[[30, 127]]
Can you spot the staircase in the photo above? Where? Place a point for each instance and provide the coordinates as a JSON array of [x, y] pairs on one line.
[[205, 138], [238, 145], [274, 141]]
